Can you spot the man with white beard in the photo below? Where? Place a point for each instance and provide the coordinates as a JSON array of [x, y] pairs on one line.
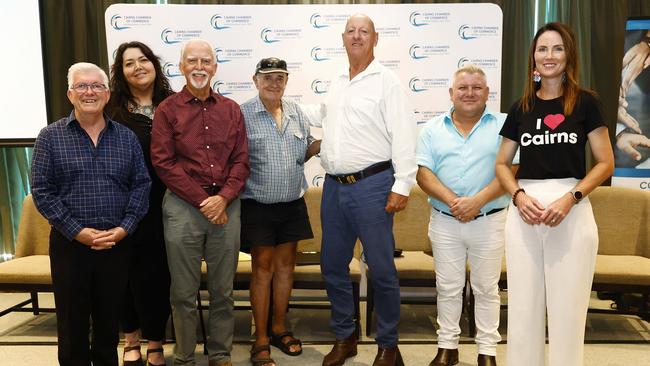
[[199, 150]]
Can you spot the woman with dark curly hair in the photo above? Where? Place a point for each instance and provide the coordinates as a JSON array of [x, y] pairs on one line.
[[137, 87], [550, 233]]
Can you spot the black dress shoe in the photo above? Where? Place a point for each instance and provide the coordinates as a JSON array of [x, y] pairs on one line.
[[445, 357], [485, 360]]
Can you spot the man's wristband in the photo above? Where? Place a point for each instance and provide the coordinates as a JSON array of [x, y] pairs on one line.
[[514, 195]]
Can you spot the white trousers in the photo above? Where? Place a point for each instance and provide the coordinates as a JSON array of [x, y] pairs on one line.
[[550, 271], [481, 243]]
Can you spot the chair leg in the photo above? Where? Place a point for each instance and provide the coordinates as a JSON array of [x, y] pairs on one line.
[[471, 316], [357, 310], [35, 307], [370, 306], [199, 307]]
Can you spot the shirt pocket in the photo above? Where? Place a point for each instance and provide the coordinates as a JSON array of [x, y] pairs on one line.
[[258, 148], [299, 146]]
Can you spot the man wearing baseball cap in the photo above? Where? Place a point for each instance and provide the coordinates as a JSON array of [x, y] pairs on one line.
[[273, 211]]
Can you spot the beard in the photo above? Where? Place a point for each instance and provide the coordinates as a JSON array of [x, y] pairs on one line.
[[199, 84]]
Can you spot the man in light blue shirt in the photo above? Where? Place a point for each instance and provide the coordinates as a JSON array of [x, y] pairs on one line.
[[456, 153]]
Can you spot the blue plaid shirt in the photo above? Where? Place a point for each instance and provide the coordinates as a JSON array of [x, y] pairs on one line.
[[77, 185], [277, 156]]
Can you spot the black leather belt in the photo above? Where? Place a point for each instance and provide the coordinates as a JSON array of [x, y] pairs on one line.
[[492, 211], [369, 171], [211, 190]]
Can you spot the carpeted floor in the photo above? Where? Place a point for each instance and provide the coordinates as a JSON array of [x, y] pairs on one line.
[[612, 340]]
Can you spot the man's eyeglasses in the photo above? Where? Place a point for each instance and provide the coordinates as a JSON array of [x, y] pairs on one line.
[[96, 87]]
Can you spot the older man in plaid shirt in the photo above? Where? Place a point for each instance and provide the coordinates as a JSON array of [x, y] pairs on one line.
[[273, 211]]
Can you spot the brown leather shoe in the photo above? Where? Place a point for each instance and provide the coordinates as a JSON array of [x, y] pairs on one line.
[[445, 357], [342, 350], [388, 357], [485, 360]]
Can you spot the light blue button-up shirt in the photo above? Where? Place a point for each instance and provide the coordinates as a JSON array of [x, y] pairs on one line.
[[465, 165], [276, 156]]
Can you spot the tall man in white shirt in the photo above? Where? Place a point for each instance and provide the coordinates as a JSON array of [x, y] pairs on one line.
[[456, 153], [368, 152]]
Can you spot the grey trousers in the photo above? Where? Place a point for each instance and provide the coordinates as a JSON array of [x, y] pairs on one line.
[[189, 236]]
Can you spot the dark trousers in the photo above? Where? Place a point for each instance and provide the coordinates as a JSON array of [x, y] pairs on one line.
[[146, 306], [87, 284], [348, 212]]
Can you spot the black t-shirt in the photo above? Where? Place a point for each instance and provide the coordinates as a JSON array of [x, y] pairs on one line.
[[552, 145]]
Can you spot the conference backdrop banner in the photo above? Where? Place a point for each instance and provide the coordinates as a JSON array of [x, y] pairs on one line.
[[422, 43], [632, 150]]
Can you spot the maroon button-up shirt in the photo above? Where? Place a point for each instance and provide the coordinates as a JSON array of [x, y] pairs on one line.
[[198, 143]]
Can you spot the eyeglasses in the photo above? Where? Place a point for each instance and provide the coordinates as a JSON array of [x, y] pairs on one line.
[[96, 87]]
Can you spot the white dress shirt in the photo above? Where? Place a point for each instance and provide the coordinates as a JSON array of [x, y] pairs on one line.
[[367, 120]]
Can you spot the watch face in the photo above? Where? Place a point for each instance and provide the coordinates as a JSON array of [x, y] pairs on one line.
[[577, 195]]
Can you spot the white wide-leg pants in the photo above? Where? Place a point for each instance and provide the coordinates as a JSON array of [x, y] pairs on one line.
[[479, 242], [550, 271]]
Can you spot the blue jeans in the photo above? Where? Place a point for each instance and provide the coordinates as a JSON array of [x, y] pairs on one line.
[[348, 212]]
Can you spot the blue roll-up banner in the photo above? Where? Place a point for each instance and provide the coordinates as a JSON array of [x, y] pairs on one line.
[[632, 150]]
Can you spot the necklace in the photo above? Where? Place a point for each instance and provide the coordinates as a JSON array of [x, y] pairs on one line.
[[146, 110]]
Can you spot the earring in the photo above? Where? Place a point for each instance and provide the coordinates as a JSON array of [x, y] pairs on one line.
[[536, 76]]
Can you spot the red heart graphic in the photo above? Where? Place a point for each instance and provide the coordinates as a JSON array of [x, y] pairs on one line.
[[553, 120]]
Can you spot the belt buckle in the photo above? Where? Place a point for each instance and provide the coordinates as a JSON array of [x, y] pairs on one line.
[[350, 179]]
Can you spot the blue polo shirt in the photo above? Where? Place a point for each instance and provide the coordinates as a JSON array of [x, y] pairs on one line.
[[463, 164]]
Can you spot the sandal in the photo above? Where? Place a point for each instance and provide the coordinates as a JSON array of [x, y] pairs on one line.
[[155, 350], [261, 361], [285, 347], [137, 362]]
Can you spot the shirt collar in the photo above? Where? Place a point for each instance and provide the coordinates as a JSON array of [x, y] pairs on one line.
[[71, 118], [487, 113], [373, 68], [258, 107], [188, 97]]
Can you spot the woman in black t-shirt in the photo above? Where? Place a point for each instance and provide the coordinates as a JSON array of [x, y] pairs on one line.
[[551, 235], [138, 85]]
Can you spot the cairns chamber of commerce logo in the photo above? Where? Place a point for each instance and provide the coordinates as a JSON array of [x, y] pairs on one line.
[[319, 21], [217, 22], [464, 32], [417, 84], [225, 55], [419, 19], [317, 180], [319, 86], [173, 36], [316, 21], [318, 54], [271, 35], [468, 32], [121, 22], [220, 87], [552, 121], [221, 22], [117, 21], [484, 63], [231, 87], [422, 51], [267, 35], [171, 70]]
